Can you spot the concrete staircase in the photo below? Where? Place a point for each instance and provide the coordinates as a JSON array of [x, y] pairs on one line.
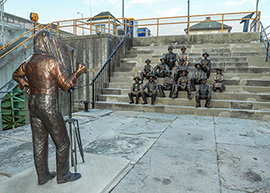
[[246, 72]]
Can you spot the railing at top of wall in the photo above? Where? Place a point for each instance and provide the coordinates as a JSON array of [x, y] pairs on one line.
[[111, 25], [266, 41]]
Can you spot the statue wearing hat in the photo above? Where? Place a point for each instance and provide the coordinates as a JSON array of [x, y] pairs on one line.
[[170, 58], [183, 84], [179, 69], [150, 90], [206, 64], [160, 69], [184, 55], [135, 90], [198, 74], [167, 84], [218, 83], [203, 92], [147, 69]]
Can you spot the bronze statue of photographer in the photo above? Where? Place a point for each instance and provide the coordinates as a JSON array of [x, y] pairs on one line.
[[43, 73]]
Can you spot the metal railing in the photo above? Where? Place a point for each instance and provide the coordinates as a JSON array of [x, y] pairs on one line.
[[266, 41], [104, 74]]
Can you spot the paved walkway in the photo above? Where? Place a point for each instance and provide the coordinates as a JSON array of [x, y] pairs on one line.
[[169, 153]]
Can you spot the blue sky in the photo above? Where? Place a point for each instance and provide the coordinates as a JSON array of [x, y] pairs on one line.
[[52, 10]]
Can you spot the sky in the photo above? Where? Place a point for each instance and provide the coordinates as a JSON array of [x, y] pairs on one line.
[[54, 10]]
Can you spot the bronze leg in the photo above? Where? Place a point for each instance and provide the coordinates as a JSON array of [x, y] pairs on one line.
[[161, 87], [131, 97]]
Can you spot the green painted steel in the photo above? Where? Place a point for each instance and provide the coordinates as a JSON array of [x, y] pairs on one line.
[[13, 109]]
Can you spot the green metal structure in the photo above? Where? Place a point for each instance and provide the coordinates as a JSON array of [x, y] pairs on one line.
[[13, 109]]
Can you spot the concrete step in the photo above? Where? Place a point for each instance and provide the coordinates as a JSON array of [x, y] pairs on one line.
[[216, 95], [217, 112], [229, 88], [215, 103]]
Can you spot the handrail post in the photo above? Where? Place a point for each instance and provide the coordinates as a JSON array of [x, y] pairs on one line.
[[58, 33], [259, 21], [157, 27], [74, 27], [188, 24], [222, 25], [267, 51], [109, 23], [109, 71], [93, 94]]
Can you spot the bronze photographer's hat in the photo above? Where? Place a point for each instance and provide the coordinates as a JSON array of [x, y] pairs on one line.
[[153, 76], [183, 47], [205, 53], [136, 77], [147, 60], [163, 58], [170, 48], [185, 71], [198, 64]]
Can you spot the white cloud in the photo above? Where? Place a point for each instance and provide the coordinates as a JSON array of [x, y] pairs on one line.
[[171, 12], [144, 1], [232, 3]]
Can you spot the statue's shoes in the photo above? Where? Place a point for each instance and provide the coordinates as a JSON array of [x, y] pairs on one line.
[[49, 177], [69, 178]]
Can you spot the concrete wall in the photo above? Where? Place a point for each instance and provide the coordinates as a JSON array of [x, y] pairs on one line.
[[11, 34], [199, 39]]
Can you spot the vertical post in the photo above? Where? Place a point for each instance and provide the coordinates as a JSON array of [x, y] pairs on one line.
[[93, 94], [188, 15], [114, 28], [188, 24], [125, 24], [109, 23], [123, 9], [58, 33], [267, 51], [74, 27], [91, 26], [109, 71], [259, 22], [222, 26], [157, 27], [2, 22]]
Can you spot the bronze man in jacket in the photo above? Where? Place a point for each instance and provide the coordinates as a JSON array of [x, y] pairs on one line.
[[218, 83], [184, 55], [167, 84], [181, 66], [170, 58], [160, 69], [135, 91], [198, 74], [203, 92], [147, 69], [43, 73], [206, 64], [152, 88], [183, 84]]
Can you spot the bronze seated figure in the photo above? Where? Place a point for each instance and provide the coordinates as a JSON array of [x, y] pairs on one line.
[[135, 90], [167, 84], [203, 92], [183, 84], [218, 83], [150, 90]]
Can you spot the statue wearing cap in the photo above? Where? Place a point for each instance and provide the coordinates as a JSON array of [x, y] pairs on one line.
[[179, 69], [218, 83], [135, 90], [198, 74], [184, 55], [206, 64], [147, 69], [170, 58], [183, 84], [150, 90], [160, 69], [167, 84], [203, 92]]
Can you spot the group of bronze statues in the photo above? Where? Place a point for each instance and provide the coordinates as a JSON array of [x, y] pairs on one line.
[[178, 80]]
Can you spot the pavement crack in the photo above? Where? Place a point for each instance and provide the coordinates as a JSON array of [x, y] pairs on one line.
[[5, 174]]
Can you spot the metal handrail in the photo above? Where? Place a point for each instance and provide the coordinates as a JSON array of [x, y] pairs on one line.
[[104, 65], [263, 34]]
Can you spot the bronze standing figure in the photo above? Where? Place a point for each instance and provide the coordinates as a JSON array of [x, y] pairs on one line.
[[135, 90], [43, 73]]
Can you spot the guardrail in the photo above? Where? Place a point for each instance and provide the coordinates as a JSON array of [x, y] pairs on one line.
[[266, 41]]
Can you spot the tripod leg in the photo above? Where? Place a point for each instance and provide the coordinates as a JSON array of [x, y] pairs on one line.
[[71, 143], [78, 135], [74, 150]]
